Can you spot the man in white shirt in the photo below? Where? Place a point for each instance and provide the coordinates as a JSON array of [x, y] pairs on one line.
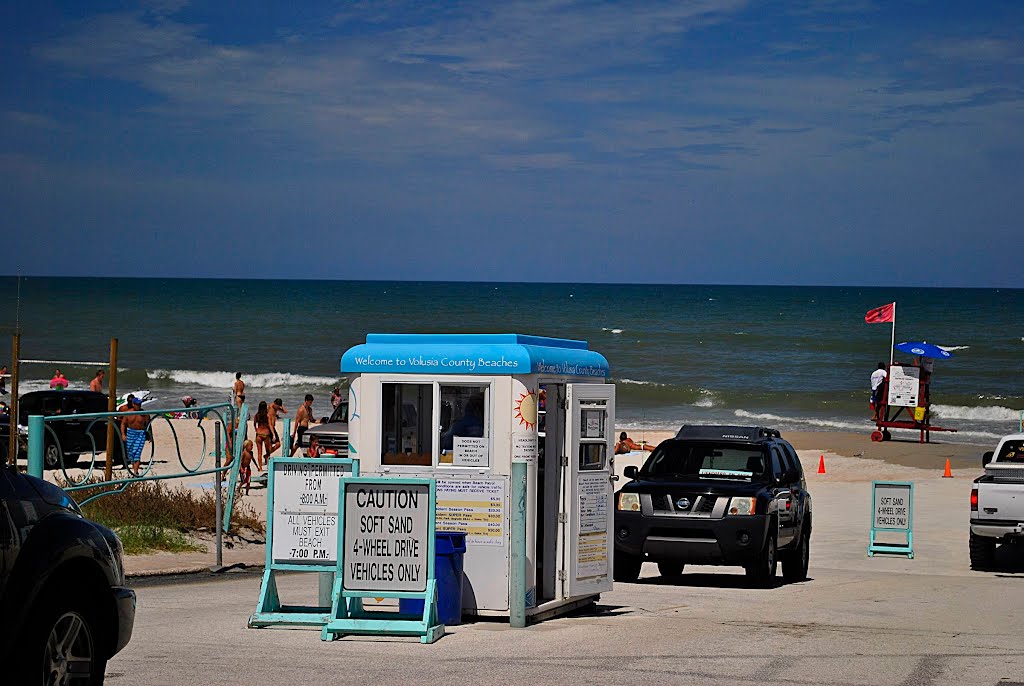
[[877, 380]]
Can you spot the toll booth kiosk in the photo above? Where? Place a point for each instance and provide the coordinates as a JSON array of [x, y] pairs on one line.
[[461, 408]]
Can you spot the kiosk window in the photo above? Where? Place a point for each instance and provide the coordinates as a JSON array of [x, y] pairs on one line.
[[464, 436], [593, 444], [406, 414]]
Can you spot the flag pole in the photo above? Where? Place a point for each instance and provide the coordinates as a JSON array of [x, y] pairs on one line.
[[892, 342]]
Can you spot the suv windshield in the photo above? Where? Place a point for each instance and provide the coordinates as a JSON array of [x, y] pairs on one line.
[[340, 413], [707, 461]]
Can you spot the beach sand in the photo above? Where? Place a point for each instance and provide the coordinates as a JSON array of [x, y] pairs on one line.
[[852, 462]]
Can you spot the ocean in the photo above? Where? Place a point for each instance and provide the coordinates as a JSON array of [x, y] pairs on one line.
[[796, 358]]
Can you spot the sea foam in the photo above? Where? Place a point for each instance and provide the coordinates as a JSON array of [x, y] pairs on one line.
[[225, 379], [990, 413]]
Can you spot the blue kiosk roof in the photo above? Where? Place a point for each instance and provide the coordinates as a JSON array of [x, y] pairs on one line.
[[487, 354]]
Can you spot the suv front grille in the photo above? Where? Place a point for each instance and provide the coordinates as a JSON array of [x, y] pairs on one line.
[[339, 443], [667, 503]]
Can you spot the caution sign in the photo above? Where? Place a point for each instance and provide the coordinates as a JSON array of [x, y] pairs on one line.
[[386, 537], [892, 506], [305, 511]]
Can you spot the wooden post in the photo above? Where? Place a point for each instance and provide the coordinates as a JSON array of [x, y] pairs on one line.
[[12, 442], [111, 406]]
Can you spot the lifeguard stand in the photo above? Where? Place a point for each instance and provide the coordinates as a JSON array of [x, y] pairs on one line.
[[461, 408], [906, 402]]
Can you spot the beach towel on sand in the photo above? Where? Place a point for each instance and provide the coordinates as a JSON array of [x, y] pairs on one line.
[[136, 441]]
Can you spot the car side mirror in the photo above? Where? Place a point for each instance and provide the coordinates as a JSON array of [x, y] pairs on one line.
[[986, 458], [631, 471]]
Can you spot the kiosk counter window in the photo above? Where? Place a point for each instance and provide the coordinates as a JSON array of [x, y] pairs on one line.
[[407, 412], [593, 443], [464, 435]]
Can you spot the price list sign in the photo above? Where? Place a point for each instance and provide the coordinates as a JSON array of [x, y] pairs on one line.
[[305, 506]]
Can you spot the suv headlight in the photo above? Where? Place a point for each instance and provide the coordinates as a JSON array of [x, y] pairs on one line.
[[629, 501], [742, 506]]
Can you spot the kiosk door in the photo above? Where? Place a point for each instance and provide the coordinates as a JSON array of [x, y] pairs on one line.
[[589, 445]]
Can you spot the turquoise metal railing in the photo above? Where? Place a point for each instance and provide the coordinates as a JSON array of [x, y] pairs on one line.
[[42, 437]]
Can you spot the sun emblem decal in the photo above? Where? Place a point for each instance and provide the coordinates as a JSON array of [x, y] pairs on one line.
[[526, 410]]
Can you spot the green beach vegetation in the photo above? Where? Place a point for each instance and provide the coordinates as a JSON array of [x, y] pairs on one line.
[[150, 517]]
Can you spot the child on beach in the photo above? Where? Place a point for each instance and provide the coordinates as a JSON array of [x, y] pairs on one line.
[[245, 469]]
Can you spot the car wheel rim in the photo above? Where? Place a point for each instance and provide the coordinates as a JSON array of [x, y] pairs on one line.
[[51, 455], [68, 658]]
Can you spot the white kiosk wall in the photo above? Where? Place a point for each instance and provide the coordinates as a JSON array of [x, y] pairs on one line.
[[389, 434]]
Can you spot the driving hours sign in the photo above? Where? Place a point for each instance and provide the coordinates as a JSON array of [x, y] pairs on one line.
[[386, 536], [306, 511]]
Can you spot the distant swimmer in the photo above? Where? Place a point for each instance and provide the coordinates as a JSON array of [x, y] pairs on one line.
[[877, 386], [59, 381], [96, 385], [627, 445]]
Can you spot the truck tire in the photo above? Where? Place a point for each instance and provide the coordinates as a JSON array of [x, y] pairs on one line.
[[762, 571], [627, 567], [670, 570], [51, 455], [983, 552], [795, 562]]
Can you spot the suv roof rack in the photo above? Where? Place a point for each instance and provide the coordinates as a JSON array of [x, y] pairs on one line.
[[727, 432]]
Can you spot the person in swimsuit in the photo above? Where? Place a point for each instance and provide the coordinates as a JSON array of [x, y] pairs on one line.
[[276, 410], [628, 445], [238, 389], [133, 433], [314, 448], [245, 469], [96, 385], [303, 416], [264, 435]]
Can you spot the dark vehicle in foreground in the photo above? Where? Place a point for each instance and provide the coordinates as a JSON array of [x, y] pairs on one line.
[[332, 432], [68, 439], [63, 602], [716, 495]]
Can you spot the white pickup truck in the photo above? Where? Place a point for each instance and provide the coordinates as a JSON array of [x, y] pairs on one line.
[[997, 501]]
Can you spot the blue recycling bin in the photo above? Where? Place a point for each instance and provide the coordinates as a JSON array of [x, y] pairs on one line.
[[449, 547]]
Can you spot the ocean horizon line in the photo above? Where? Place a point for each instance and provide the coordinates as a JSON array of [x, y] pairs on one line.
[[63, 277]]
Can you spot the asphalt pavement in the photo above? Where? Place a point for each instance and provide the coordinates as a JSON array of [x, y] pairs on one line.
[[857, 620]]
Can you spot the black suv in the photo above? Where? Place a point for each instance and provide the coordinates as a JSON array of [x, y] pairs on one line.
[[719, 495], [72, 436], [63, 599]]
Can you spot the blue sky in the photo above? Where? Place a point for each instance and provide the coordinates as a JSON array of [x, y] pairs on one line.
[[713, 141]]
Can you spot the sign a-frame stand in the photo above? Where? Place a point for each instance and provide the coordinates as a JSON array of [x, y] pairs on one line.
[[892, 510], [385, 550], [310, 516]]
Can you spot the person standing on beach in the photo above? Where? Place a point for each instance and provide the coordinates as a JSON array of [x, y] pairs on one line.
[[96, 385], [877, 383], [133, 433], [264, 435], [303, 416], [276, 410], [238, 388]]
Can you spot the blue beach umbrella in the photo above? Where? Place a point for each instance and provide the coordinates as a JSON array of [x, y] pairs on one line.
[[922, 349]]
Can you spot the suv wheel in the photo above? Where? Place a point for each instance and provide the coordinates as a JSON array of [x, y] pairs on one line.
[[627, 567], [796, 561], [762, 570], [670, 570], [983, 552]]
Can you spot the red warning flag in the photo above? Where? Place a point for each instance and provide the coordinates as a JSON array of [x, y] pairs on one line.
[[880, 315]]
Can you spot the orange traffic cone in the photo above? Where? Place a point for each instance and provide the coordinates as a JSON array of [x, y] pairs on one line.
[[948, 474], [821, 465]]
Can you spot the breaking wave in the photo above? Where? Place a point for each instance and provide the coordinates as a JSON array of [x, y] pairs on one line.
[[991, 413], [225, 379]]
